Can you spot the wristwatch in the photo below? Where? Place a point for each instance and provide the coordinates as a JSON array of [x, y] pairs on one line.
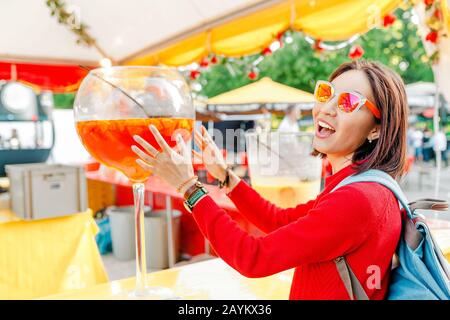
[[193, 195], [226, 181]]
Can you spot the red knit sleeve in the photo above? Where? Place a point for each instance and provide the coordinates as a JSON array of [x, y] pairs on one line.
[[339, 224], [262, 213]]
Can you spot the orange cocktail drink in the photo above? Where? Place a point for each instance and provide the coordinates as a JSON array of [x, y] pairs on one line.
[[110, 141]]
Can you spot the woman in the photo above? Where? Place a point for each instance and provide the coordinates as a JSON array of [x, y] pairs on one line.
[[360, 121]]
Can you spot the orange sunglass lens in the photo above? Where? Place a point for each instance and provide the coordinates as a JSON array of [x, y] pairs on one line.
[[348, 102], [323, 92]]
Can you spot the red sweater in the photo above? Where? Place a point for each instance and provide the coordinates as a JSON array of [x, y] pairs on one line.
[[361, 221]]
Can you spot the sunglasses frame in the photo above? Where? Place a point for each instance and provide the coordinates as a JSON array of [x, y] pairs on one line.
[[363, 101]]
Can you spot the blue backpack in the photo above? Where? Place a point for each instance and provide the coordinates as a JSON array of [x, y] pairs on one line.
[[423, 272]]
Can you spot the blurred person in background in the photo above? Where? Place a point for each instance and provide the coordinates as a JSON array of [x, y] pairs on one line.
[[417, 138], [290, 121], [410, 140], [264, 124], [440, 145], [427, 144]]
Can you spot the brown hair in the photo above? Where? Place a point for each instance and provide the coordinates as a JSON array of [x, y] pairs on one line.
[[388, 152]]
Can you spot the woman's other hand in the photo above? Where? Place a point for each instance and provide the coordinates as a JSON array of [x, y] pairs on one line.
[[212, 158], [210, 155]]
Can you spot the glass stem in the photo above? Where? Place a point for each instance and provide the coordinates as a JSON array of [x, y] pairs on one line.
[[141, 262]]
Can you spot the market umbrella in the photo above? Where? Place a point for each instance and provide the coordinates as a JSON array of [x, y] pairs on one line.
[[265, 92]]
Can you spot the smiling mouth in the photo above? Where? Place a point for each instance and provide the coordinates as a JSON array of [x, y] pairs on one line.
[[324, 130]]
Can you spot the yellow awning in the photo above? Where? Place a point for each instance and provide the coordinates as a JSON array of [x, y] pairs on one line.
[[446, 11], [329, 20], [263, 91]]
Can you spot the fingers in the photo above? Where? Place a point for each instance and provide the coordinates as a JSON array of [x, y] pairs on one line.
[[206, 134], [146, 146], [144, 156], [160, 140], [204, 131], [196, 154], [199, 140], [203, 140], [197, 157], [144, 165], [182, 146]]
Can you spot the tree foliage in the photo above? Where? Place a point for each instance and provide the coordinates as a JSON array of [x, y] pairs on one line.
[[298, 65], [63, 100]]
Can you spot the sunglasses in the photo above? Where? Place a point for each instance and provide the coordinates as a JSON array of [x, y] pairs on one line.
[[348, 101]]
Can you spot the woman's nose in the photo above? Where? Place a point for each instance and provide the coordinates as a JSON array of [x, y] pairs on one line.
[[328, 108]]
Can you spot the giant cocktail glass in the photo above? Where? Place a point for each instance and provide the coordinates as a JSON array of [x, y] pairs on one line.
[[282, 168], [114, 104]]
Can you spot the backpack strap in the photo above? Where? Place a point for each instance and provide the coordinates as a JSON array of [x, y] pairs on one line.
[[346, 274], [350, 280]]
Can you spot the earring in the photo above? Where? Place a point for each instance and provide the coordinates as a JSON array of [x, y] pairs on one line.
[[370, 140]]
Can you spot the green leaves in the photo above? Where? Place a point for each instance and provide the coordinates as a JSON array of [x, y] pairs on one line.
[[70, 20], [63, 100], [298, 65]]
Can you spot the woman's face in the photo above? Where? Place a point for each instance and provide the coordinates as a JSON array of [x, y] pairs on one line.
[[350, 129]]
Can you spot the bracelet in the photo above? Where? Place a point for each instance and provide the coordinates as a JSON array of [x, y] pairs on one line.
[[226, 182], [191, 190], [185, 183]]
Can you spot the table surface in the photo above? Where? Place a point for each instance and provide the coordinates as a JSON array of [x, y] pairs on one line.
[[211, 279]]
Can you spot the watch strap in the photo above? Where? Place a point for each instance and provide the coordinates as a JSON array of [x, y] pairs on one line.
[[195, 197]]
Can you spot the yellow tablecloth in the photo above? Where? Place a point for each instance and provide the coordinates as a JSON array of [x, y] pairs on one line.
[[43, 257], [211, 279]]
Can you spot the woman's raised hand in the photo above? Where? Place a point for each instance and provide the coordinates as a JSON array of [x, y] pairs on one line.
[[174, 166], [210, 155]]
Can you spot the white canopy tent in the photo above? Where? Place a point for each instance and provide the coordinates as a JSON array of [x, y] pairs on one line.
[[174, 32], [122, 29]]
